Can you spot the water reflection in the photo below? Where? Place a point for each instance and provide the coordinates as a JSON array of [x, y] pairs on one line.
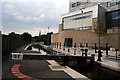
[[37, 49]]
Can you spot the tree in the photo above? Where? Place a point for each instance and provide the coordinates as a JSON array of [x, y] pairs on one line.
[[14, 35], [26, 36]]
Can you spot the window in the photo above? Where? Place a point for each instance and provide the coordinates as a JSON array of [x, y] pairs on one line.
[[115, 15], [108, 4], [118, 2]]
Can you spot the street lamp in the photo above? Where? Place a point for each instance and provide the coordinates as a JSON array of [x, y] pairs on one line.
[[82, 26], [98, 32], [99, 50]]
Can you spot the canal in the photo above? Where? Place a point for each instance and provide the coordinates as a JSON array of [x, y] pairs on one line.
[[94, 72]]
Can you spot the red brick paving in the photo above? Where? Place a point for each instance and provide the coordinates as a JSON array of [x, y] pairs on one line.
[[15, 71]]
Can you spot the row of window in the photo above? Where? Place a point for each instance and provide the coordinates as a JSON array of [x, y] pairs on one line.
[[78, 17], [109, 4], [82, 17], [115, 15]]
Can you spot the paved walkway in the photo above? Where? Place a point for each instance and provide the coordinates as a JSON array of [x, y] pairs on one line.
[[36, 69], [106, 60]]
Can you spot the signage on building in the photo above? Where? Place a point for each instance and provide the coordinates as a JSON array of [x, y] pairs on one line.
[[76, 4]]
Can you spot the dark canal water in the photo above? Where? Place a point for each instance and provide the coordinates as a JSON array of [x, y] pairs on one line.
[[95, 72]]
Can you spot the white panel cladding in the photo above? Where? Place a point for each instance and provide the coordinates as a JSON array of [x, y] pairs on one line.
[[94, 10], [77, 21]]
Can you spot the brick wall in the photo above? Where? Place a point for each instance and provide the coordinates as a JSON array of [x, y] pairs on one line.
[[89, 36]]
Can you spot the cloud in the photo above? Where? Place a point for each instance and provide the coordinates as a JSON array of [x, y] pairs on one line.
[[32, 15]]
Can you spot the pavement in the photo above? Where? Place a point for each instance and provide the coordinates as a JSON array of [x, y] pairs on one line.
[[38, 70]]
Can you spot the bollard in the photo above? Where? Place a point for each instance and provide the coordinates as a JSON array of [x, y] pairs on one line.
[[64, 47], [68, 49], [92, 59], [116, 52], [80, 44], [75, 45], [82, 51], [75, 51], [60, 45], [86, 50], [99, 55], [57, 45], [86, 44], [95, 48], [107, 49]]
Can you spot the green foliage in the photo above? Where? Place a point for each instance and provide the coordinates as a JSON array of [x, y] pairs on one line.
[[14, 35], [43, 38], [26, 36]]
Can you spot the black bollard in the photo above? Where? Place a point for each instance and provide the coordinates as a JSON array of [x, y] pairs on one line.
[[116, 52], [92, 59], [75, 51], [64, 47], [57, 45], [86, 44], [81, 45], [95, 48], [107, 49], [86, 50], [99, 55], [60, 46], [75, 45], [68, 49], [82, 51]]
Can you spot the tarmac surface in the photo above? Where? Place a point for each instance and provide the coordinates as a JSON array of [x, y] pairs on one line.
[[37, 69]]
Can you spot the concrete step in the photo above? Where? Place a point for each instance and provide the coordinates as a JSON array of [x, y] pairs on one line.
[[114, 57]]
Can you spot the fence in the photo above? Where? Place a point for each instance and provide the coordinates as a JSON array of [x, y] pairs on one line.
[[9, 45]]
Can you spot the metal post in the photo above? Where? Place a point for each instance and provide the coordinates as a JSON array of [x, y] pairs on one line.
[[116, 55], [57, 45], [99, 50], [116, 52], [60, 45], [75, 49], [64, 47], [95, 48], [68, 49], [107, 49], [83, 42]]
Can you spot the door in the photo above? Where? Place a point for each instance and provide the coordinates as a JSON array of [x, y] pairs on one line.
[[68, 42]]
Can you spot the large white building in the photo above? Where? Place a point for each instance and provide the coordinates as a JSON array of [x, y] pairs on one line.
[[87, 20]]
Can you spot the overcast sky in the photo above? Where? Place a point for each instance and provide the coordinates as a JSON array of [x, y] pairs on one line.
[[32, 15]]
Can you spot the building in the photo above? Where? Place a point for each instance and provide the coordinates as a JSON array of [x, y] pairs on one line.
[[90, 22], [39, 33]]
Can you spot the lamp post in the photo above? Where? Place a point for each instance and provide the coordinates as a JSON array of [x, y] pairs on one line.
[[82, 27], [99, 50]]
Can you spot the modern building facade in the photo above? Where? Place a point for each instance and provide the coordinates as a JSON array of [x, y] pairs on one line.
[[90, 22]]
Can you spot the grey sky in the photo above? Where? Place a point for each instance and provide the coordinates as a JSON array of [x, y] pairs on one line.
[[32, 15]]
